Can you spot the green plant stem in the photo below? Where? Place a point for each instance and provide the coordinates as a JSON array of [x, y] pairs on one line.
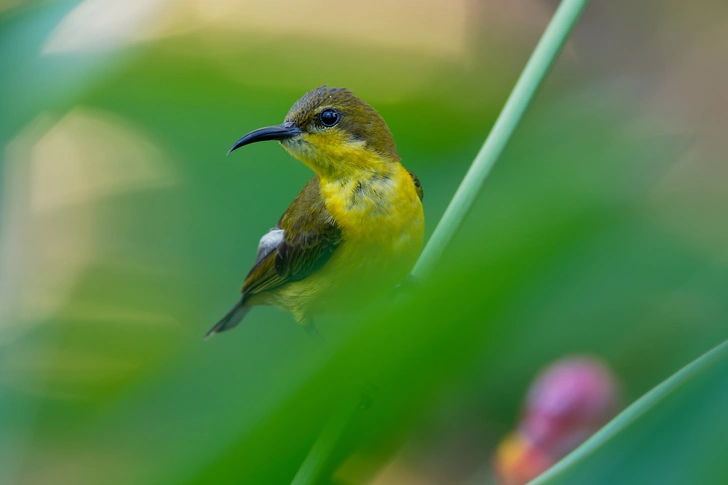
[[632, 413], [535, 71], [528, 83], [322, 449]]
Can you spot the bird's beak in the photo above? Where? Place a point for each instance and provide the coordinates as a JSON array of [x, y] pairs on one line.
[[279, 132]]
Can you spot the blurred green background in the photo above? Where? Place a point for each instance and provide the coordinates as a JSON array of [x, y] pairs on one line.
[[125, 232]]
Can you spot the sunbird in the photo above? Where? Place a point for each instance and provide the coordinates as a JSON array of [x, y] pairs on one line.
[[354, 230]]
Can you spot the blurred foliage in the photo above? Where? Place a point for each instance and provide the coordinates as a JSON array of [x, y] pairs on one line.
[[126, 234]]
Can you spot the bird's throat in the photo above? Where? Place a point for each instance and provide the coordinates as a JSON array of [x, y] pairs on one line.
[[334, 156]]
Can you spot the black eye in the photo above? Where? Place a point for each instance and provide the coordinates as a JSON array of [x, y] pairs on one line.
[[329, 117]]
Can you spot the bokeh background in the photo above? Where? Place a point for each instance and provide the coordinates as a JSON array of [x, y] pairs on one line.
[[125, 232]]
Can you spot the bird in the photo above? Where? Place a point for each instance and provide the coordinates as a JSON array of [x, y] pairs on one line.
[[355, 229]]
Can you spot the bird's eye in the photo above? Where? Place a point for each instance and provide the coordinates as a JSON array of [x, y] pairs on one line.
[[329, 117]]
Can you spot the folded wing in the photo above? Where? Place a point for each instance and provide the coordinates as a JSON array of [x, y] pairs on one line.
[[303, 241]]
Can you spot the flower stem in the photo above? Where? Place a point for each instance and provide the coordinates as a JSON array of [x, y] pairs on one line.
[[531, 78], [533, 74], [320, 453]]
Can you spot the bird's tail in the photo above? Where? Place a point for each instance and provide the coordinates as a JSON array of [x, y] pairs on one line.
[[232, 318]]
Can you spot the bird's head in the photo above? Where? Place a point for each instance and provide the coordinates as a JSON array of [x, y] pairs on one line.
[[333, 132]]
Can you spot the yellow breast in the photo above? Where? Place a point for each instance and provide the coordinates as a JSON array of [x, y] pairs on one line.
[[377, 211]]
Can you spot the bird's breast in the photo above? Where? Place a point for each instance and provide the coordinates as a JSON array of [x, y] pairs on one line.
[[377, 211]]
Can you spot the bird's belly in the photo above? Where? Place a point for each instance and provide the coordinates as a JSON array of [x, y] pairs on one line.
[[352, 277]]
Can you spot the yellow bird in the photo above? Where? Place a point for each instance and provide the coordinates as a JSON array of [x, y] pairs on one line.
[[354, 230]]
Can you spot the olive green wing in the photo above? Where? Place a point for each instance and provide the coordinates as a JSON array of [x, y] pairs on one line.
[[418, 185], [303, 241]]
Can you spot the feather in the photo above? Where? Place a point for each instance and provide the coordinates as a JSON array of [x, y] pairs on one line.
[[268, 243], [230, 320], [303, 241]]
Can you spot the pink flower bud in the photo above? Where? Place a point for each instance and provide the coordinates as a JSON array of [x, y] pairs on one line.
[[568, 402]]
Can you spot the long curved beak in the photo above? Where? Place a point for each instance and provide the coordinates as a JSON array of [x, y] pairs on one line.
[[279, 132]]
